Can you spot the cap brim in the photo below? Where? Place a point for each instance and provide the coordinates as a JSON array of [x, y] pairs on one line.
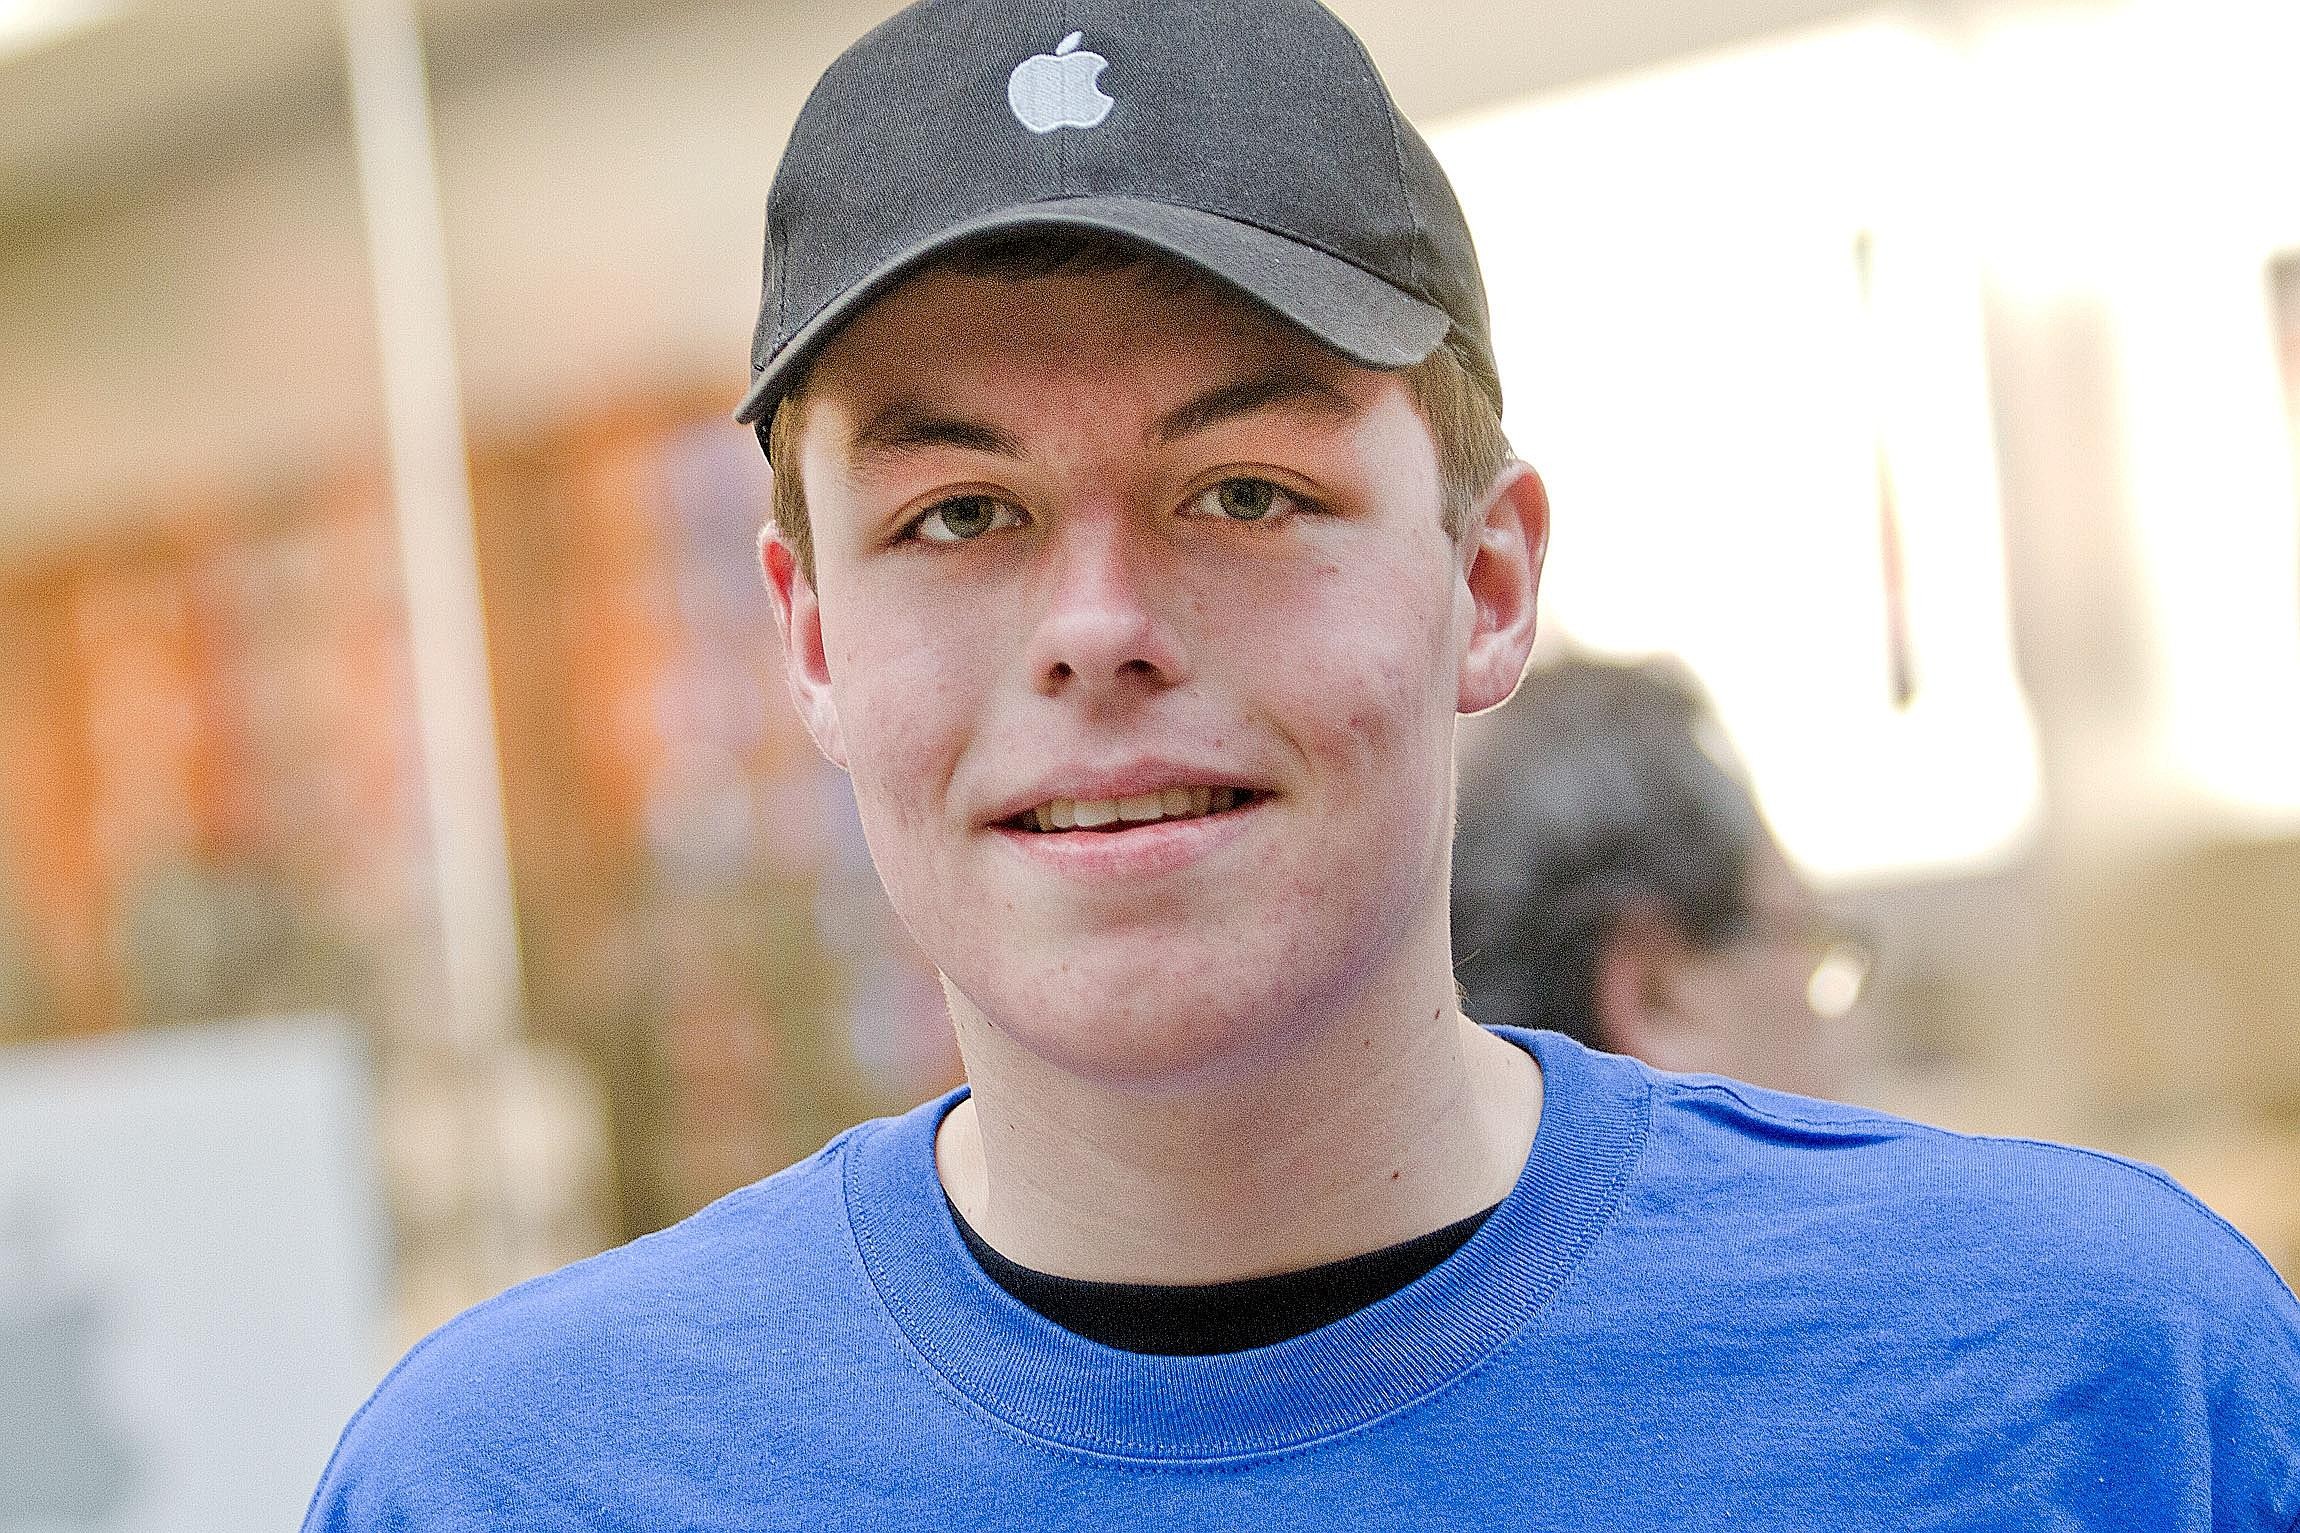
[[1347, 307]]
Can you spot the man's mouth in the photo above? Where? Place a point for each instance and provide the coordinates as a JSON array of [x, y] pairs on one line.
[[1109, 814]]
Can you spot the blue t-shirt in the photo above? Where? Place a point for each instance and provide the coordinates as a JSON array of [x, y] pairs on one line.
[[1702, 1306]]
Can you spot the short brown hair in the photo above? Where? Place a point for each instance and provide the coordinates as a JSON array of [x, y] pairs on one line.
[[1463, 418]]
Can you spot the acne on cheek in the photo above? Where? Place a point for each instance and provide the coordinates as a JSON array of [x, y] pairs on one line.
[[1394, 667], [1388, 709]]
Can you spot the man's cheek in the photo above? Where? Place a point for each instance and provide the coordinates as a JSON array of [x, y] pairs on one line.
[[891, 758], [892, 755], [1366, 702]]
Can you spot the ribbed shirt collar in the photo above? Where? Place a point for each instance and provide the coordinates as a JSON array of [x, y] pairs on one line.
[[1079, 1394]]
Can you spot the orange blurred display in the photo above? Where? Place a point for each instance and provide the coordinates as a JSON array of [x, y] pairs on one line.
[[213, 809], [208, 779]]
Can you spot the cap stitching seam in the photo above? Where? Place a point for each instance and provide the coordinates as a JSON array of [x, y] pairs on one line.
[[1061, 139], [1397, 163], [779, 243]]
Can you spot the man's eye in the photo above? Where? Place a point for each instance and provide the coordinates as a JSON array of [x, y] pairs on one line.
[[963, 518], [1245, 500]]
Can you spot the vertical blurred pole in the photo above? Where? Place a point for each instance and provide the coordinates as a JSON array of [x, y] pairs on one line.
[[423, 407], [1900, 656]]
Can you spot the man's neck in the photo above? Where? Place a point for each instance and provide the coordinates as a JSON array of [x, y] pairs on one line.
[[1373, 1135]]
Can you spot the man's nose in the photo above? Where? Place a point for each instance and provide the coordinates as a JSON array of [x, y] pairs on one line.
[[1104, 632]]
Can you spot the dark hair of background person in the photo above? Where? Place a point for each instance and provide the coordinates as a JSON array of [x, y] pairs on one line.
[[1599, 786]]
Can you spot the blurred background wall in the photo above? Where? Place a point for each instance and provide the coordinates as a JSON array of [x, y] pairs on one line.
[[1927, 375]]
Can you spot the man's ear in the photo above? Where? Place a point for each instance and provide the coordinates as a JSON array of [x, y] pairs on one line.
[[1503, 549], [1635, 990], [806, 664]]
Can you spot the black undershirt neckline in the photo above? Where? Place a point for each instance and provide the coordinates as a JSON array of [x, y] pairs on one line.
[[1206, 1319]]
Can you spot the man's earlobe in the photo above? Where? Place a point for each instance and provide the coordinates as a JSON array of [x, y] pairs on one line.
[[806, 662], [1504, 549]]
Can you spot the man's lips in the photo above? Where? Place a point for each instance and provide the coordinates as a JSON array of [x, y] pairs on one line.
[[1131, 850], [1147, 791], [1125, 812]]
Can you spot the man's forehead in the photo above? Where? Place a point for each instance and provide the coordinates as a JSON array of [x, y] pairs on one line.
[[909, 423], [962, 360]]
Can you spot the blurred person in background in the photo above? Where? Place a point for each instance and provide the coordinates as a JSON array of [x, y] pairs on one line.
[[1143, 524], [1615, 881]]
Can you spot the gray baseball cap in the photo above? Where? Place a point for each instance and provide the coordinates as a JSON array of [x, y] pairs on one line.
[[1251, 139]]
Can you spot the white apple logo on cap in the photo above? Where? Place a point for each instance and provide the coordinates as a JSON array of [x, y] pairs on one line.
[[1057, 90]]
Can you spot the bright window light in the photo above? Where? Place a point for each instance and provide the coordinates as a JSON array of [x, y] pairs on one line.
[[25, 24], [1720, 402], [2165, 208], [2212, 199]]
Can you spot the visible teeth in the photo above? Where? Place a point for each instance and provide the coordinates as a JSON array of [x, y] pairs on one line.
[[1136, 809]]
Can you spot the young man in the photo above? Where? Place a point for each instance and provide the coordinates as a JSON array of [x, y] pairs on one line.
[[1142, 526]]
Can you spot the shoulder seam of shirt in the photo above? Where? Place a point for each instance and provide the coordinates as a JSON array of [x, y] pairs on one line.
[[1860, 1115]]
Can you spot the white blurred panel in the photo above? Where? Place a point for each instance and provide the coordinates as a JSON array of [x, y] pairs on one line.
[[192, 1275], [2214, 196], [1690, 360]]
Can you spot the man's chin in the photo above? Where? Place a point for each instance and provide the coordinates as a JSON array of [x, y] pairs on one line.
[[1174, 1065], [1147, 1035]]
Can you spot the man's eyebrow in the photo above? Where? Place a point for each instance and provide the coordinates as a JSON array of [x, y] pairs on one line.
[[907, 426], [1273, 386]]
